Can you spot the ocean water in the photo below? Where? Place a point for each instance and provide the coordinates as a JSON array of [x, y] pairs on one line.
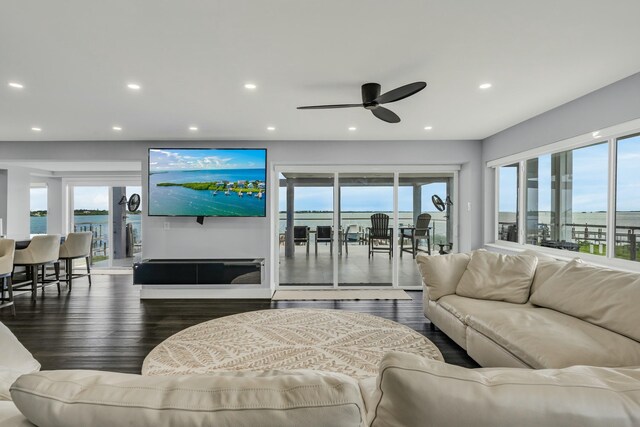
[[181, 201], [97, 223], [623, 218]]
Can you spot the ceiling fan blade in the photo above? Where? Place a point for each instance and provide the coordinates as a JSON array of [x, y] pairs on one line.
[[323, 107], [386, 115], [401, 92]]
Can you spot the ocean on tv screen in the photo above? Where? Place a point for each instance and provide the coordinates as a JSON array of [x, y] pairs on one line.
[[208, 182]]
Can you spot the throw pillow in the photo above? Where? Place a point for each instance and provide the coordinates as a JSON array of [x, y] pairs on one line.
[[15, 360], [498, 277], [414, 391], [441, 273], [597, 295]]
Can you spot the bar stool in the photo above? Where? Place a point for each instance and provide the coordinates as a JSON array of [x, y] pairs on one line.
[[42, 250], [75, 246], [7, 250]]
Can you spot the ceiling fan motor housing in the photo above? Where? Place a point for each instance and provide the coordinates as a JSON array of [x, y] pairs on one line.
[[370, 91]]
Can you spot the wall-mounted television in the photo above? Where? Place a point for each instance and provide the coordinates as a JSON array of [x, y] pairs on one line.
[[207, 182]]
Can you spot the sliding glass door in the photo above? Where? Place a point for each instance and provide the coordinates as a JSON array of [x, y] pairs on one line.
[[366, 229], [305, 228], [344, 228]]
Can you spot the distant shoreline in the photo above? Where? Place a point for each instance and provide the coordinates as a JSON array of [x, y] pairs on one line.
[[81, 212]]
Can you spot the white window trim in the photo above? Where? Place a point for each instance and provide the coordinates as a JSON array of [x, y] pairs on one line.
[[609, 135]]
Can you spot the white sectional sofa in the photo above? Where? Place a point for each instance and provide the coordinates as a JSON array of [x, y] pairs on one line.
[[409, 391], [532, 311]]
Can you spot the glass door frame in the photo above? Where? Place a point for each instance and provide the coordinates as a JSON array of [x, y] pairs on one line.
[[274, 199], [68, 185]]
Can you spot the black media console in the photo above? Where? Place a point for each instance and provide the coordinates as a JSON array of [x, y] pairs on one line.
[[198, 271]]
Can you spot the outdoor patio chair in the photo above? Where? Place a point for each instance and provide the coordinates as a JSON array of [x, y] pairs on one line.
[[351, 229], [7, 250], [324, 234], [380, 235], [422, 232], [301, 235]]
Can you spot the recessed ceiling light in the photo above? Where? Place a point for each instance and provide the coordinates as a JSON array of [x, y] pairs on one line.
[[117, 128], [36, 129], [271, 128], [193, 128], [428, 127], [596, 134], [485, 86], [250, 86], [352, 128], [16, 85], [134, 86]]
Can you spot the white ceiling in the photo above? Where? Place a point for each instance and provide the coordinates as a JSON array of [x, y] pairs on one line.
[[192, 58]]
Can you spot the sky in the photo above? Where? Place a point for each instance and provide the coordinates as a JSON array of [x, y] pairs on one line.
[[83, 197], [195, 159], [364, 199], [590, 178]]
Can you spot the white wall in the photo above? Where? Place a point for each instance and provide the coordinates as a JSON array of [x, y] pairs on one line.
[[250, 237], [608, 106]]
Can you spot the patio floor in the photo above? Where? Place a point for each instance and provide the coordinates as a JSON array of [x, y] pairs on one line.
[[354, 268]]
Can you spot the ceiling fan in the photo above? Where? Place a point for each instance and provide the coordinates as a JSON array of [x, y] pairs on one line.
[[372, 100]]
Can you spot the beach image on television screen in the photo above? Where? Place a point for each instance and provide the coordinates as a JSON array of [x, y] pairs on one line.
[[207, 182]]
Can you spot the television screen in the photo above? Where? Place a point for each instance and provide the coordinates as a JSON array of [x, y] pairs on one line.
[[207, 182]]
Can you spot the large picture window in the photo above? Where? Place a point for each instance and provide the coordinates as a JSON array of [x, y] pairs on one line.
[[584, 199], [566, 199], [628, 198]]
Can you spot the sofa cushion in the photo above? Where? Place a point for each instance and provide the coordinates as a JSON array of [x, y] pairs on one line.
[[441, 273], [15, 360], [415, 391], [544, 338], [461, 307], [597, 295], [500, 277], [546, 267], [10, 416], [270, 398]]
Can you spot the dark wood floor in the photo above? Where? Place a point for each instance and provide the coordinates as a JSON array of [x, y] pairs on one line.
[[107, 326]]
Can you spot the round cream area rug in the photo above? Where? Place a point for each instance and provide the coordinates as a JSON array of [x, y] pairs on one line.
[[331, 340]]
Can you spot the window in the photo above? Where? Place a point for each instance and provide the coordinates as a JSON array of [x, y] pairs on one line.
[[627, 198], [566, 198], [38, 208], [508, 202]]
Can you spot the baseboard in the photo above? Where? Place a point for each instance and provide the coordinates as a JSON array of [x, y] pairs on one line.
[[185, 292]]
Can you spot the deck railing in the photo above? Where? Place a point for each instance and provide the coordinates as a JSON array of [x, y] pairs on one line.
[[438, 226], [589, 236]]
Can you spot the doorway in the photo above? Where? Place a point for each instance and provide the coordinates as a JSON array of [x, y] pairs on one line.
[[104, 211]]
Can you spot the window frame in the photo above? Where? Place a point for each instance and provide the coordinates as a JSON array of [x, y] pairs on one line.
[[611, 136]]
